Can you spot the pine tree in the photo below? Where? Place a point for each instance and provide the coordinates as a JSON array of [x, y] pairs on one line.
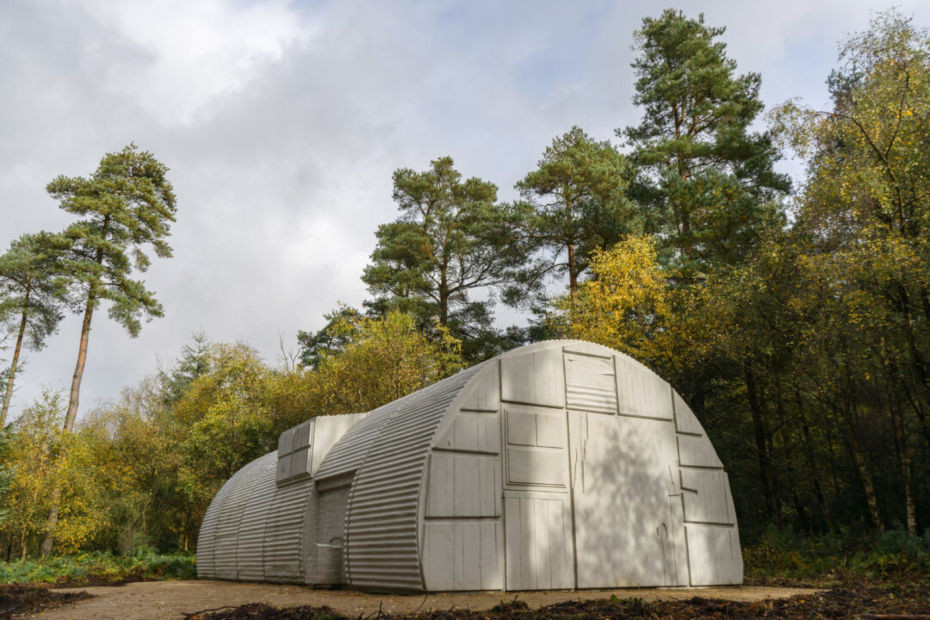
[[126, 204], [578, 195], [708, 182], [32, 296], [451, 239]]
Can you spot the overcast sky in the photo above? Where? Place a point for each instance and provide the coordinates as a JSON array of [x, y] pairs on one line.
[[282, 122]]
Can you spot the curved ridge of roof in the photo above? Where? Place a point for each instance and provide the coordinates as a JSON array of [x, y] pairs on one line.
[[349, 452], [381, 542], [566, 342], [216, 540]]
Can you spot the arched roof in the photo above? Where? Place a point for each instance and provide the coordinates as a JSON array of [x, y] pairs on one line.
[[384, 458], [389, 450]]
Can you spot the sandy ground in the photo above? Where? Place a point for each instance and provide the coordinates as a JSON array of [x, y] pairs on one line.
[[172, 599]]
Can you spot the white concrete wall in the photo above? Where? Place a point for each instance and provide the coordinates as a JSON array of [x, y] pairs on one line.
[[558, 465], [607, 480]]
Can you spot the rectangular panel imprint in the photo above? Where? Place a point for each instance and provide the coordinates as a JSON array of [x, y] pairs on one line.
[[706, 494], [534, 466], [695, 451], [534, 379], [714, 555], [641, 392], [590, 384], [625, 531], [521, 428], [539, 542], [471, 432], [534, 426], [463, 485], [463, 555]]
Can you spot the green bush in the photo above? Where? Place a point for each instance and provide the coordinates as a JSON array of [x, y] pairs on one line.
[[100, 567], [783, 554]]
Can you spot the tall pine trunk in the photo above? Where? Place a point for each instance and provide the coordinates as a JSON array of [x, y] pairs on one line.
[[572, 276], [70, 417], [443, 297], [19, 345], [81, 360]]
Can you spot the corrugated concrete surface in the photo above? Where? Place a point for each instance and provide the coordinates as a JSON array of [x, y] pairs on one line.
[[561, 464]]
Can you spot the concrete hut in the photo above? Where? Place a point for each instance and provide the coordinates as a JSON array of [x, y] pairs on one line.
[[558, 465]]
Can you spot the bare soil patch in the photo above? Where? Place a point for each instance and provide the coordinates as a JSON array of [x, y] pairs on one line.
[[858, 600], [18, 599], [222, 599]]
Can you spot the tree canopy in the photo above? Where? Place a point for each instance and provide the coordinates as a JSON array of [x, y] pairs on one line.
[[706, 180], [125, 205], [451, 240], [33, 295], [579, 204]]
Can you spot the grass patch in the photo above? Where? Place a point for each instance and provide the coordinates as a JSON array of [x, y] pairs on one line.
[[99, 568]]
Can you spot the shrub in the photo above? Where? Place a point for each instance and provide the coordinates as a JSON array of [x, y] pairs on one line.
[[100, 566], [783, 554]]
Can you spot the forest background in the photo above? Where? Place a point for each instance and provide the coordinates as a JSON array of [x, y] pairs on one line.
[[794, 320]]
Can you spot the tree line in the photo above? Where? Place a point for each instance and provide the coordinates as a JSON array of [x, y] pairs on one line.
[[793, 320]]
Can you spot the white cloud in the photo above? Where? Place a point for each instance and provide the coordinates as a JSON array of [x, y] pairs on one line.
[[282, 123], [186, 54]]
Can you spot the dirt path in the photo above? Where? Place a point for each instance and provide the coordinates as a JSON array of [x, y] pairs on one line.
[[171, 599]]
